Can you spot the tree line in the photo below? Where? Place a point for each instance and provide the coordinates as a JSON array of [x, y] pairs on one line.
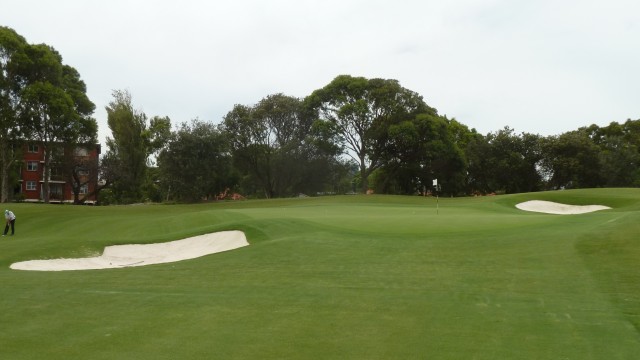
[[354, 135], [358, 135]]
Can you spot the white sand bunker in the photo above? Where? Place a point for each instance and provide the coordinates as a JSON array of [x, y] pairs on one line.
[[119, 256], [549, 207]]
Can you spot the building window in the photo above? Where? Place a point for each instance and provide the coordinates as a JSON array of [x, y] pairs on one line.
[[31, 185], [33, 148], [80, 151], [32, 166], [83, 172], [55, 174], [84, 189]]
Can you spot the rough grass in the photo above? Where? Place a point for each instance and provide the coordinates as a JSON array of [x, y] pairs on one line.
[[377, 277]]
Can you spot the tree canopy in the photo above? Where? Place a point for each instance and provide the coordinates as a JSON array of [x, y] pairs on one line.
[[360, 110], [42, 100], [196, 163], [277, 148], [134, 139], [12, 57]]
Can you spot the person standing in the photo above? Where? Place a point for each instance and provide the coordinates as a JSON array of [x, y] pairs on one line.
[[11, 220]]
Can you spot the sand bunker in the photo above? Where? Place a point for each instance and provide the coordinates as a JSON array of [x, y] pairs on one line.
[[119, 256], [549, 207]]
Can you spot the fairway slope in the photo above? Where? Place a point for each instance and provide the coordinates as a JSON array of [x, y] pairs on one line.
[[549, 207], [144, 254]]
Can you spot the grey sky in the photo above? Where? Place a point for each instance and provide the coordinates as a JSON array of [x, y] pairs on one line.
[[545, 67]]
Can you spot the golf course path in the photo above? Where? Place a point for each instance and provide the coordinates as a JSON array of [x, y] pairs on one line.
[[119, 256], [549, 207]]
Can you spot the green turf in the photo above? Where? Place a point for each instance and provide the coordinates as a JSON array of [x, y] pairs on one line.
[[347, 277]]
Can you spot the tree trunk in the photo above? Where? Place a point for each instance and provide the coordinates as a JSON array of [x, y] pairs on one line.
[[45, 175], [364, 177], [6, 164]]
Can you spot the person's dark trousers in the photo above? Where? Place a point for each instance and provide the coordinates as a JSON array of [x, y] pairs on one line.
[[6, 228]]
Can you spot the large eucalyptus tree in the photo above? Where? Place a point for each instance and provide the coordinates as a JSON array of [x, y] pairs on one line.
[[55, 107], [360, 111], [11, 55], [134, 139], [42, 100]]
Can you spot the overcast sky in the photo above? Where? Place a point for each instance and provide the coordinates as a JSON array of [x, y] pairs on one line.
[[543, 66]]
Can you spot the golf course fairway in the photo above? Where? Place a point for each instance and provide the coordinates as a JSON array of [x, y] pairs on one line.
[[342, 277]]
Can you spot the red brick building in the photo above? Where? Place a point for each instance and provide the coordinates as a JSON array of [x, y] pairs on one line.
[[77, 165]]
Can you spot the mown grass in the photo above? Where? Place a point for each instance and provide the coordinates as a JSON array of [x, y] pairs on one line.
[[352, 277]]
